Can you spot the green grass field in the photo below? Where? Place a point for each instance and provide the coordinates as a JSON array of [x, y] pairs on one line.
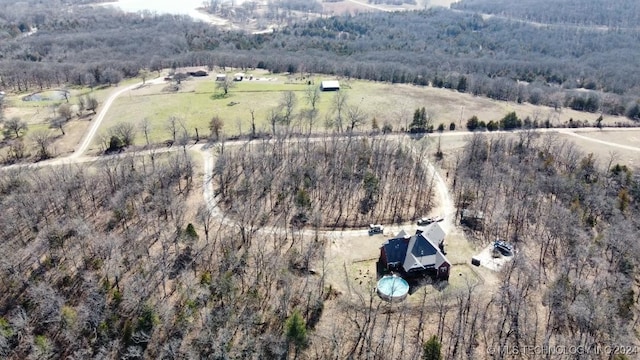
[[37, 115], [199, 100]]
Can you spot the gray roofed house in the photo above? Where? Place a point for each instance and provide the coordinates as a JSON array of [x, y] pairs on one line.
[[416, 255]]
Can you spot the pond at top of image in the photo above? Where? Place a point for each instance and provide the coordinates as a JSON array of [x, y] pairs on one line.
[[182, 7]]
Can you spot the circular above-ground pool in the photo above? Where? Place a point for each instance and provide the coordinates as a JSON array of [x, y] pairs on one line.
[[392, 288]]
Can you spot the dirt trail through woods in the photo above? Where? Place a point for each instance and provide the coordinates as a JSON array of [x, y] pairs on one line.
[[347, 246]]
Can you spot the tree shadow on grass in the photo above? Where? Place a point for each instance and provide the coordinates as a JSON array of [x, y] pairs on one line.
[[218, 96]]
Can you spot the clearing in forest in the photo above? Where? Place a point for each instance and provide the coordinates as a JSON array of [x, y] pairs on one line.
[[264, 99]]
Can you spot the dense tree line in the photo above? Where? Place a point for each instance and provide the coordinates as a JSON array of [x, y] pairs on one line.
[[573, 219], [109, 262], [614, 14], [333, 183], [494, 57]]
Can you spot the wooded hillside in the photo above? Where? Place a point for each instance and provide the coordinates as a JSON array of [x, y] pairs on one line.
[[616, 14], [107, 262], [574, 281], [502, 58], [336, 183]]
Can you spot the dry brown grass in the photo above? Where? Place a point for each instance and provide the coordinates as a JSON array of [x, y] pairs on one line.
[[603, 152], [38, 114], [451, 106]]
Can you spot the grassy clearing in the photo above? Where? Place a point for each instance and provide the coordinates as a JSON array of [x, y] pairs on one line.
[[37, 115], [604, 152], [461, 276], [199, 100], [628, 137], [35, 112]]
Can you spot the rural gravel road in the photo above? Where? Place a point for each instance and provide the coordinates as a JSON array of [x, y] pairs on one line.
[[445, 201], [608, 143], [104, 109]]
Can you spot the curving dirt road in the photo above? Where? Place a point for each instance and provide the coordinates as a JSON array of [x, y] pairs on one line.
[[445, 201], [95, 123], [608, 143]]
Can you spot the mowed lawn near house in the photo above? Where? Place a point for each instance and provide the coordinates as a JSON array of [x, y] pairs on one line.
[[199, 100]]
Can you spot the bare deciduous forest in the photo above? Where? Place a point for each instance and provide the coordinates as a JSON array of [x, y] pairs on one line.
[[616, 14], [334, 183], [574, 280], [501, 57], [100, 262], [119, 258]]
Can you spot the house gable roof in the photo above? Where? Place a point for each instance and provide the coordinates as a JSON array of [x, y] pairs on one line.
[[422, 247], [416, 252], [423, 251], [420, 254], [395, 250], [434, 233]]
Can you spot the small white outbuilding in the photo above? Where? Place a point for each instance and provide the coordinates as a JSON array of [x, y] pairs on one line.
[[330, 85]]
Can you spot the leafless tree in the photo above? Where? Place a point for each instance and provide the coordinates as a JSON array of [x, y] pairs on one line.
[[125, 131], [59, 122], [173, 124], [355, 116], [17, 150], [145, 126], [205, 217], [225, 85], [288, 104], [339, 104], [81, 105], [313, 96], [42, 138], [144, 75], [274, 118], [65, 111], [91, 103], [184, 138], [215, 126], [310, 115], [253, 122], [179, 78]]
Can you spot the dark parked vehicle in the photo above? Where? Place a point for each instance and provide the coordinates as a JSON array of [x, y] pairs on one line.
[[376, 229], [504, 248]]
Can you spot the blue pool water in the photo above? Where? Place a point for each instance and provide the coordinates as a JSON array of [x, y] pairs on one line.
[[393, 287]]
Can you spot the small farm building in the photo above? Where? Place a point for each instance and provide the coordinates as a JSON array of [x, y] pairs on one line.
[[330, 85]]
